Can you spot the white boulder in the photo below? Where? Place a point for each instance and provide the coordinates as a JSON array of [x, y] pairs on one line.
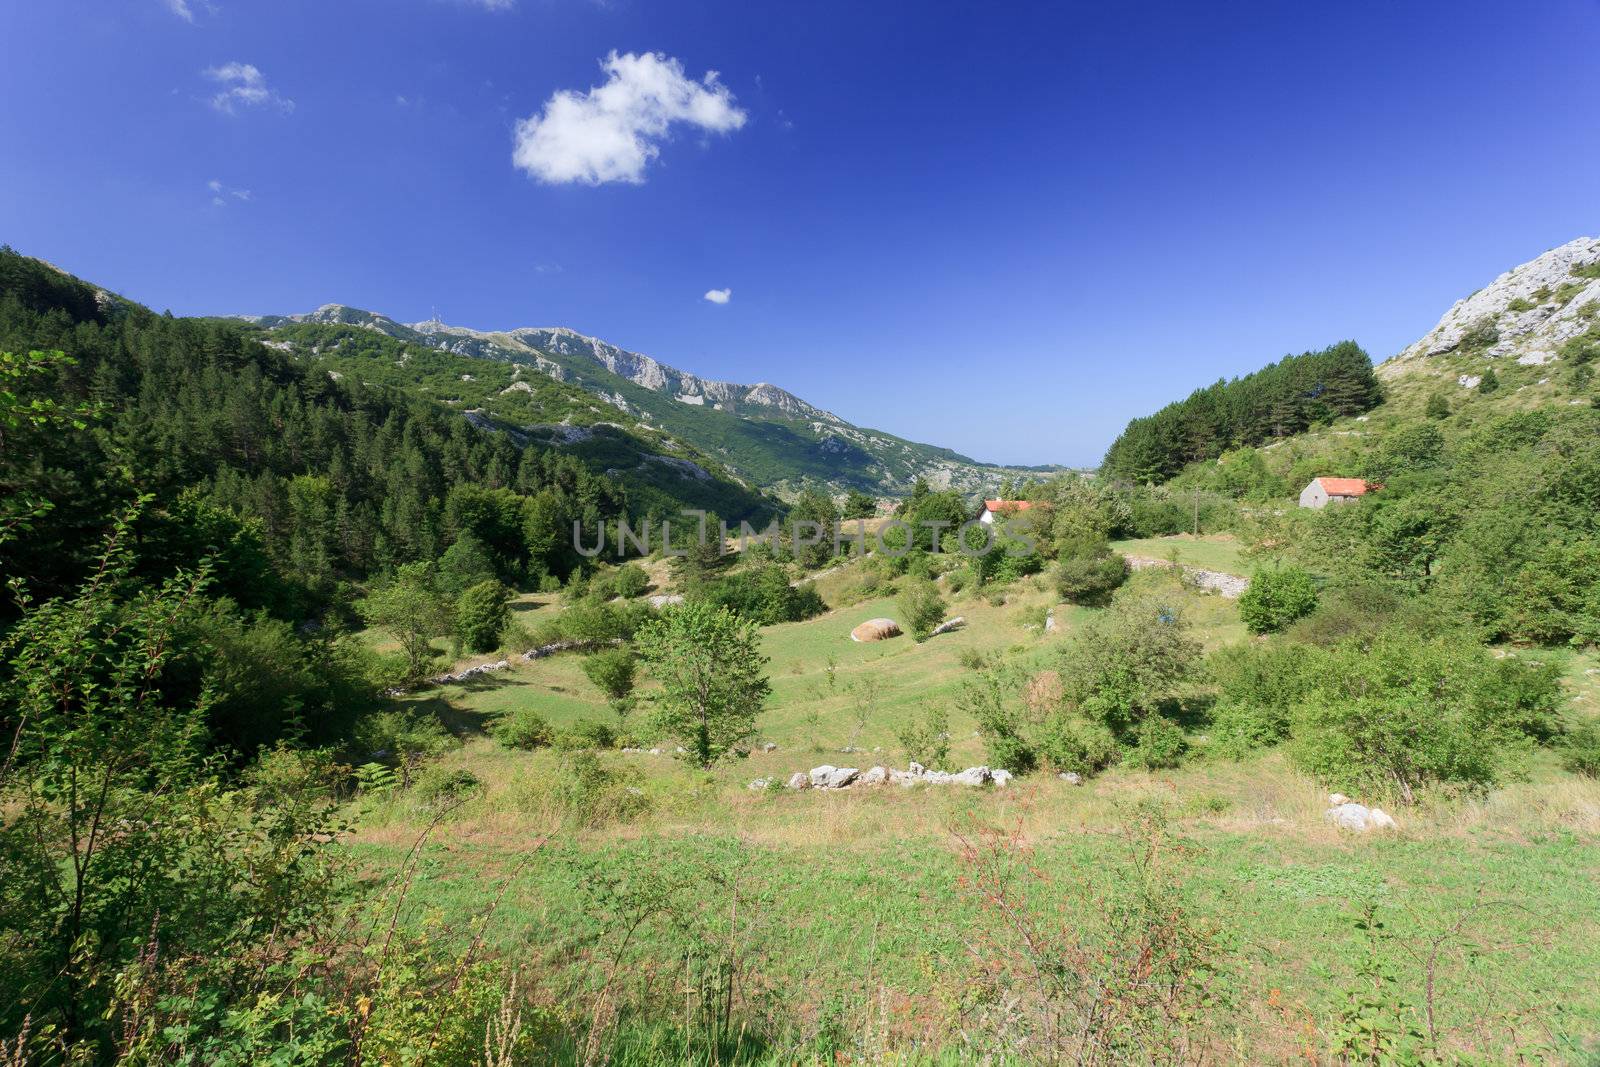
[[1359, 818]]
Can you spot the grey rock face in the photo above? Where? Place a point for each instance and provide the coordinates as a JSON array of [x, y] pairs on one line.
[[1534, 308]]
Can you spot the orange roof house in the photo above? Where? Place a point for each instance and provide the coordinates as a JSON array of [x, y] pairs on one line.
[[1324, 491], [994, 508]]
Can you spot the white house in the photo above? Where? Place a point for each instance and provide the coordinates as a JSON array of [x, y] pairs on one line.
[[1324, 491], [993, 508]]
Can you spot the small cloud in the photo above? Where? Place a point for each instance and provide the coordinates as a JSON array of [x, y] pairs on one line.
[[613, 131], [492, 5], [719, 296], [547, 268], [179, 8], [243, 85], [222, 193]]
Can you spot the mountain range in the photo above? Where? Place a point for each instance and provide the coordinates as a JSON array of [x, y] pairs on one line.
[[765, 436]]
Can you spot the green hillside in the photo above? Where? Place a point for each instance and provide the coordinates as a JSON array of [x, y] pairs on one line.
[[772, 439], [662, 473]]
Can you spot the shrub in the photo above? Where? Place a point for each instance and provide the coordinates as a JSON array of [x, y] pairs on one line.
[[1076, 746], [522, 728], [1581, 753], [440, 788], [612, 671], [927, 740], [402, 738], [591, 792], [972, 659], [992, 697], [1522, 695], [629, 581], [1480, 335], [482, 614], [1258, 686], [1403, 713], [1120, 665], [1157, 743], [1277, 598], [1090, 578], [1489, 383], [585, 734], [763, 595], [596, 622], [921, 607]]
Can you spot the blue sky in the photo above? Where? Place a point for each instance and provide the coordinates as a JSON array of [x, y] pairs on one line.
[[1004, 228]]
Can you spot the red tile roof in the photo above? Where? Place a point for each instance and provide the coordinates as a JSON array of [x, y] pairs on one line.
[[1346, 486], [1007, 505]]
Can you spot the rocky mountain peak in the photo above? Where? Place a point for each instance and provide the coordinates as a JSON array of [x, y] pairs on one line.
[[1527, 313]]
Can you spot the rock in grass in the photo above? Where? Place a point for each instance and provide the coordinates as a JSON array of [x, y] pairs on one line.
[[948, 625], [875, 630], [973, 776], [1336, 799], [760, 784], [799, 780], [769, 747], [1000, 777], [1071, 777], [828, 776], [1359, 818], [875, 776]]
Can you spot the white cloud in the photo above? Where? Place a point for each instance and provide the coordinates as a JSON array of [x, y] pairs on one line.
[[719, 296], [221, 193], [612, 132], [242, 85], [179, 8], [492, 5]]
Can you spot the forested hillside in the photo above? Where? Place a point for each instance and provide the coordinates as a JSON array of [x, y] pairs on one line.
[[1277, 401], [338, 480], [770, 437]]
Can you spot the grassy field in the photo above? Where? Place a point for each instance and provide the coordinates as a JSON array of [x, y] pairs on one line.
[[854, 914], [1212, 552]]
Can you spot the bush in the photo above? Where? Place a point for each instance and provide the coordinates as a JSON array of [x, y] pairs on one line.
[[402, 738], [585, 734], [921, 607], [1403, 714], [612, 671], [482, 614], [927, 740], [1120, 665], [991, 696], [593, 793], [1277, 598], [1079, 747], [440, 788], [1090, 578], [763, 595], [1581, 753], [522, 728], [1258, 687], [630, 581], [1158, 743]]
